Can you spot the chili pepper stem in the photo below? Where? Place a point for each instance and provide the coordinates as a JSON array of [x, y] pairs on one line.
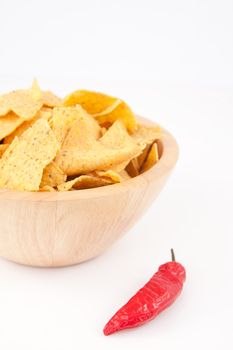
[[173, 255]]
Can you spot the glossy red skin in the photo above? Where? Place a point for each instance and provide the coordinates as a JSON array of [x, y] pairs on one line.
[[157, 294]]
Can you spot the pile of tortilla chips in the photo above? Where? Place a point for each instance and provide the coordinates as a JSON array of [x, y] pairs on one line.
[[85, 140]]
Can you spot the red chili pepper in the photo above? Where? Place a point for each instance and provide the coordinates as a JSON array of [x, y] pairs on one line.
[[157, 294]]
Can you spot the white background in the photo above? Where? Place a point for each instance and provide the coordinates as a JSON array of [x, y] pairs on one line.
[[172, 61]]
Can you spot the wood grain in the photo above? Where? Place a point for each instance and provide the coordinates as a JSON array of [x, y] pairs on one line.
[[60, 229]]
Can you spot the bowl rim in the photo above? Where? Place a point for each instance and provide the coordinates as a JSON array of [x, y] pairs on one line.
[[158, 171]]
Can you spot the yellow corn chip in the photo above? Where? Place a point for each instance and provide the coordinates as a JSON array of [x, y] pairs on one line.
[[61, 121], [107, 109], [84, 127], [146, 134], [52, 176], [103, 131], [3, 147], [36, 91], [117, 135], [83, 182], [22, 164], [89, 138], [51, 100], [152, 158], [133, 168], [64, 117], [113, 175], [24, 103], [119, 167], [43, 113], [142, 157], [120, 112], [109, 174], [8, 124], [47, 97], [92, 102], [115, 147], [159, 147]]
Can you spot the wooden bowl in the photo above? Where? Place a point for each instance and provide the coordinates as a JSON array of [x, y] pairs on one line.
[[65, 228]]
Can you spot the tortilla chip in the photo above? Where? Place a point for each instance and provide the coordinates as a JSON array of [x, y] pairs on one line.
[[152, 158], [8, 124], [47, 97], [61, 121], [116, 136], [22, 164], [47, 189], [51, 100], [83, 129], [92, 102], [107, 109], [36, 91], [115, 147], [84, 182], [146, 134], [87, 140], [160, 147], [121, 112], [43, 113], [120, 167], [109, 174], [142, 157], [113, 175], [3, 147], [133, 168], [52, 176], [24, 103], [103, 131], [64, 117]]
